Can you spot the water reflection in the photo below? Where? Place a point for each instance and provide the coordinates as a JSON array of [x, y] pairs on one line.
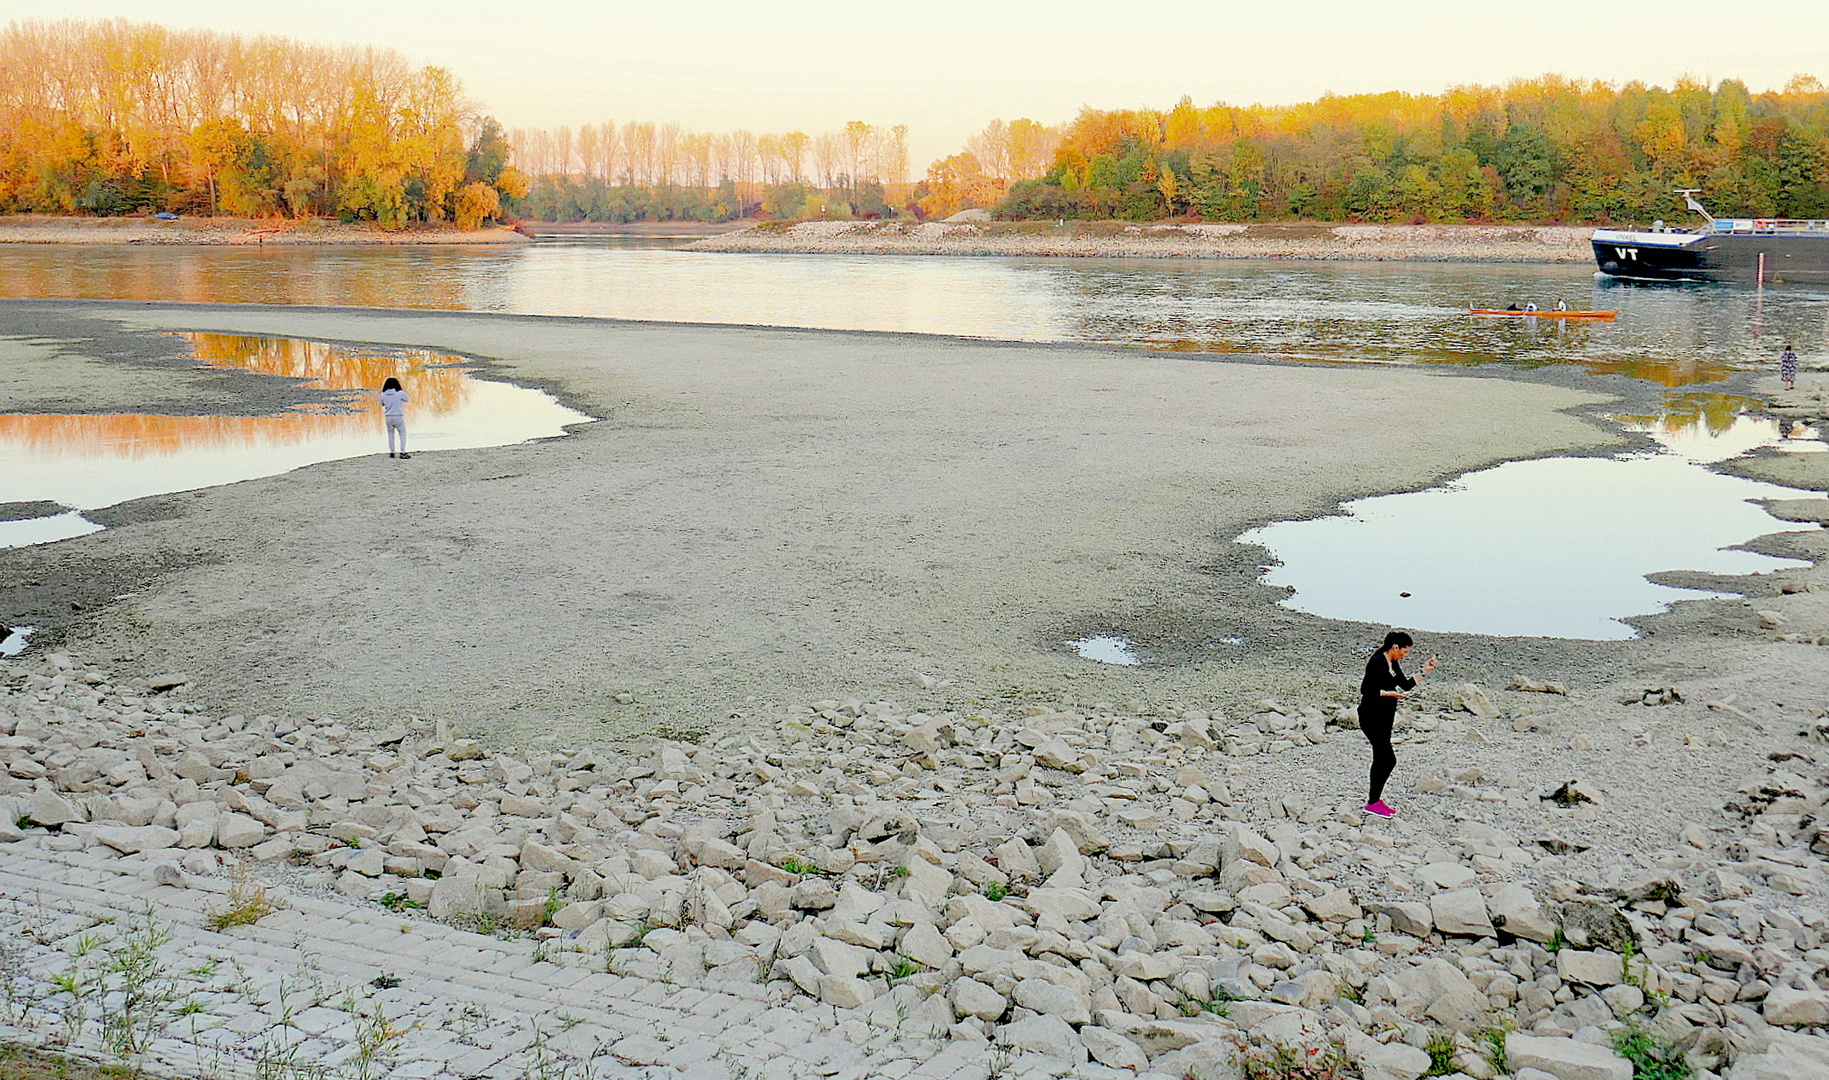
[[90, 461], [1554, 548], [1321, 311]]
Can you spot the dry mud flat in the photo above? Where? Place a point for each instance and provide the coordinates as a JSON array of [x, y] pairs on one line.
[[1366, 243], [767, 517]]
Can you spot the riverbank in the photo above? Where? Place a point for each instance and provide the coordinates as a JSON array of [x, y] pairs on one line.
[[1112, 239], [736, 733], [250, 232]]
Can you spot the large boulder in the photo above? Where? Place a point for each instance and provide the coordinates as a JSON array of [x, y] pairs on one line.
[[1461, 912], [1515, 910], [1565, 1059], [1787, 1007], [1788, 1057]]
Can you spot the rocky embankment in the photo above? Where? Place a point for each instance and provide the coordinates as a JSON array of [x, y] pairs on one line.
[[1365, 243], [1079, 890]]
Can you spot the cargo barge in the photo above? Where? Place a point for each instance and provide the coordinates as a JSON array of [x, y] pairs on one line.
[[1749, 251]]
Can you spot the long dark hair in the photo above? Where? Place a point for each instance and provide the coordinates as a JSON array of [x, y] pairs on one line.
[[1396, 639], [391, 383]]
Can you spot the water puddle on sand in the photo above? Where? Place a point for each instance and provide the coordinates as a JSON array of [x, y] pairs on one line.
[[1557, 547], [12, 639], [1107, 649], [87, 462]]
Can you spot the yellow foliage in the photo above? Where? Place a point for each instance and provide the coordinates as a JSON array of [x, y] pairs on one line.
[[476, 203]]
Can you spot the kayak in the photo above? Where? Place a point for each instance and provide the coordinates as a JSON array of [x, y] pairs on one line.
[[1544, 314]]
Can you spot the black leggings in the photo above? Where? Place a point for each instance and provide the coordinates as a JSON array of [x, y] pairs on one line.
[[1377, 730]]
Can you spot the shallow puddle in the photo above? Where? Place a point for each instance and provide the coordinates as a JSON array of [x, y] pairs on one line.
[[1557, 547], [1107, 649], [12, 639], [87, 462]]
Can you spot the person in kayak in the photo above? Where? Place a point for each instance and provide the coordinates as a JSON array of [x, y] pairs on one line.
[[1384, 685]]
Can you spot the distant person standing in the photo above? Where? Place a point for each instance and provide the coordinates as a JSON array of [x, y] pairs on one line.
[[393, 411], [1787, 367], [1384, 685]]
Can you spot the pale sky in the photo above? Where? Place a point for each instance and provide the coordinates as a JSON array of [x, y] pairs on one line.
[[945, 67]]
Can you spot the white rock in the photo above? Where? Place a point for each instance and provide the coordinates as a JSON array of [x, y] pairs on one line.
[[1789, 1057], [1051, 999], [845, 993], [1145, 967], [51, 809], [537, 856], [834, 957], [1113, 1050], [1461, 912], [973, 998], [924, 944], [238, 831], [1044, 1035], [1594, 967], [1386, 1061], [1073, 905], [1565, 1059], [1516, 911], [1787, 1007], [133, 839]]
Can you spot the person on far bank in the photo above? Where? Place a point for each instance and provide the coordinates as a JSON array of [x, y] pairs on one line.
[[1384, 685], [393, 411], [1787, 367]]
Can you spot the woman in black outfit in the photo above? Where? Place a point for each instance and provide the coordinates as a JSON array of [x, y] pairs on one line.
[[1384, 685]]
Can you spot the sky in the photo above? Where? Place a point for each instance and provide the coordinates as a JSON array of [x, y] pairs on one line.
[[946, 67]]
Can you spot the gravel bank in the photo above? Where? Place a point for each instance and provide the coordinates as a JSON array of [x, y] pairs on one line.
[[1366, 243], [1072, 891]]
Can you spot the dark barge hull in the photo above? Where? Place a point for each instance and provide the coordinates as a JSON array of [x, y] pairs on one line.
[[1802, 260]]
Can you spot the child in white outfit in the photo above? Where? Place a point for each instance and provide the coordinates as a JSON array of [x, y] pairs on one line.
[[393, 408]]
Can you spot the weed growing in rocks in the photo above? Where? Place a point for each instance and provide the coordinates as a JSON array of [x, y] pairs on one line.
[[1491, 1043], [248, 903], [140, 994], [1653, 1056], [1265, 1059], [1441, 1050]]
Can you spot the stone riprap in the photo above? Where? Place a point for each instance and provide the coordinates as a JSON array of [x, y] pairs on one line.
[[1168, 240], [866, 891]]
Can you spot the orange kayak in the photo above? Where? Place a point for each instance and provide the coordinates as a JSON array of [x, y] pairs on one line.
[[1544, 314]]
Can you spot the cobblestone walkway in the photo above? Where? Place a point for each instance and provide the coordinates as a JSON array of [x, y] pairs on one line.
[[325, 988]]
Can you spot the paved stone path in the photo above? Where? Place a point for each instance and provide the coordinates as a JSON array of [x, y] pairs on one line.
[[329, 988]]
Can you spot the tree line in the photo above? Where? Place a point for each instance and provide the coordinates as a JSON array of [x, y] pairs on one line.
[[1547, 149], [116, 117], [641, 170]]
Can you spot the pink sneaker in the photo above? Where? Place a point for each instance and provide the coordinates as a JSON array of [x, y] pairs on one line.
[[1380, 809]]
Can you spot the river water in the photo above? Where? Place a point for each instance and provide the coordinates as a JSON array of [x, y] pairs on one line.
[[1330, 311], [1684, 338]]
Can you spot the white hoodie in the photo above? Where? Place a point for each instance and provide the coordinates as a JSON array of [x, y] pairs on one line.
[[393, 404]]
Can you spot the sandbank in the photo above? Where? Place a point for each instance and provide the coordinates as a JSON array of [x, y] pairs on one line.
[[764, 517], [251, 232]]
